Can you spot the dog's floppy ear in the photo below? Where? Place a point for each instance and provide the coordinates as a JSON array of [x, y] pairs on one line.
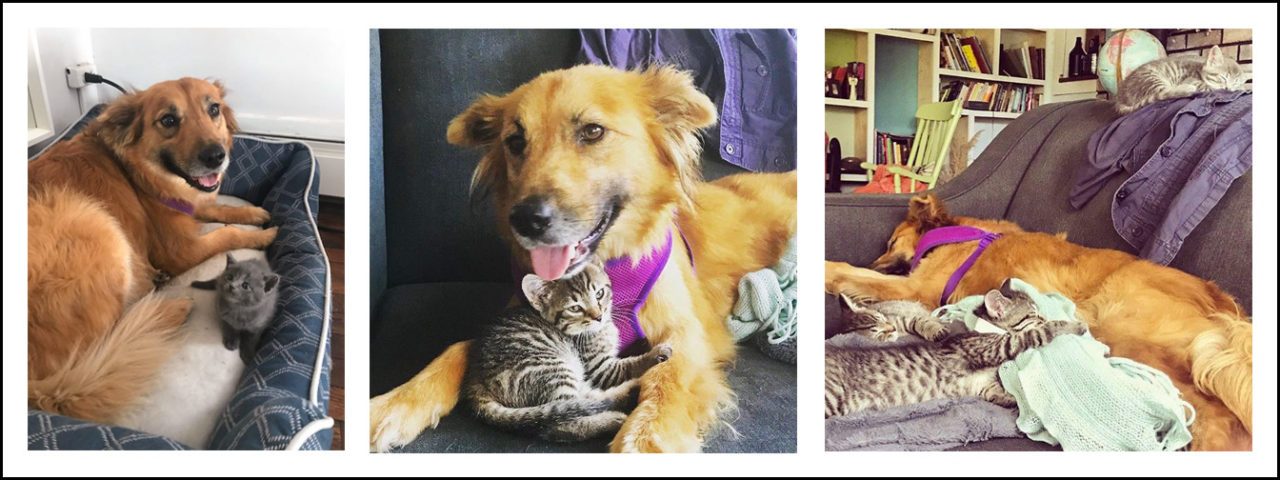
[[479, 125], [120, 125], [927, 213], [681, 111], [227, 115]]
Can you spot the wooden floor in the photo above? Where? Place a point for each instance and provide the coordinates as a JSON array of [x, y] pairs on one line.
[[331, 234]]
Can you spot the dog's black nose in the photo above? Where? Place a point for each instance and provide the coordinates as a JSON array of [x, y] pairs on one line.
[[212, 155], [532, 216]]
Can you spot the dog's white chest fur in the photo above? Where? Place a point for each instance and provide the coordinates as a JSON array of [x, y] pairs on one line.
[[194, 387]]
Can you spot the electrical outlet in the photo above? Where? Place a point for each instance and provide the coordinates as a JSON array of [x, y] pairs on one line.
[[75, 74]]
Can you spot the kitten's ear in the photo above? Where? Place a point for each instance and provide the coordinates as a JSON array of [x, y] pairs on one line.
[[534, 290], [230, 259], [1006, 288], [997, 304], [272, 280], [1215, 57]]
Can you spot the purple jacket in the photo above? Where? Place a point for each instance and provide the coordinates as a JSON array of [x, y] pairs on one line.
[[750, 74], [1184, 153]]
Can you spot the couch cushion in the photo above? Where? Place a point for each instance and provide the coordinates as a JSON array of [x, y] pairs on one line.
[[416, 322]]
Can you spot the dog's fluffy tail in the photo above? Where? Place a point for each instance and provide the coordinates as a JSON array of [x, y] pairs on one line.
[[1222, 365], [97, 382]]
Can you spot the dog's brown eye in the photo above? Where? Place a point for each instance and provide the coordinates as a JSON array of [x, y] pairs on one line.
[[516, 143], [214, 110], [592, 133], [168, 121]]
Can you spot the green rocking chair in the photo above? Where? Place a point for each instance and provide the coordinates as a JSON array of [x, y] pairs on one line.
[[935, 124]]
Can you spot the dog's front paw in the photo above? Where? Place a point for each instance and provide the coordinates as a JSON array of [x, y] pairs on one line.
[[395, 420], [263, 238], [231, 342], [257, 216]]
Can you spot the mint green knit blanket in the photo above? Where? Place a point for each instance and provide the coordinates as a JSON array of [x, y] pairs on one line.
[[767, 301], [1071, 394]]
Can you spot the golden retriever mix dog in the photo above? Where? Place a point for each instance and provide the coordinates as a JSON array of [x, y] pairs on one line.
[[107, 212], [594, 162], [1157, 315]]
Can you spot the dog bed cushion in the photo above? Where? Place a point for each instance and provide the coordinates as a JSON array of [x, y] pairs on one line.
[[283, 395]]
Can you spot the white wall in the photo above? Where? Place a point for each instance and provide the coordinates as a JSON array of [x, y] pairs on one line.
[[280, 82], [58, 48]]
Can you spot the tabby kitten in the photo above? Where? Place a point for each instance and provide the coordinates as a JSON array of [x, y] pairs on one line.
[[551, 369], [886, 321], [962, 365], [1178, 76], [247, 296]]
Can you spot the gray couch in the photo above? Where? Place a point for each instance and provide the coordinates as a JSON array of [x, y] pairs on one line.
[[438, 269], [1024, 176]]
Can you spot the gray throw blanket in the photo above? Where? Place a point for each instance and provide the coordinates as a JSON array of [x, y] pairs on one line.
[[934, 425]]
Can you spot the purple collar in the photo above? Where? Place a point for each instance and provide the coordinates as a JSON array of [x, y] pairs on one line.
[[948, 235], [179, 205]]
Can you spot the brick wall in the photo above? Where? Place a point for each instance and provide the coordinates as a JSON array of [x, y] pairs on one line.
[[1235, 43]]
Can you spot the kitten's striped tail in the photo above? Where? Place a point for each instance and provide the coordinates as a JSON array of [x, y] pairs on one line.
[[537, 420]]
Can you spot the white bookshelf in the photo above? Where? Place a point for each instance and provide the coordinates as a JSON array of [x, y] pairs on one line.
[[853, 121]]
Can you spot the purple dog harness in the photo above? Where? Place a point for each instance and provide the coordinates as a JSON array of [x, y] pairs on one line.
[[631, 287], [948, 235]]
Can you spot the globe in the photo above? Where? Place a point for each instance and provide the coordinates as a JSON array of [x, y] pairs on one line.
[[1123, 52]]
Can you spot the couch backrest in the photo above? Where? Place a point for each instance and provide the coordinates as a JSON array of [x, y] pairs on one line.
[[434, 231], [1219, 249]]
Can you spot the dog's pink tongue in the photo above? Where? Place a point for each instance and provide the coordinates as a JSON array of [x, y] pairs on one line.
[[549, 263], [208, 180]]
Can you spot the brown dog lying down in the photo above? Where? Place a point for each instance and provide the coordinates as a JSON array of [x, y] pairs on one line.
[[109, 211], [1157, 315], [614, 157]]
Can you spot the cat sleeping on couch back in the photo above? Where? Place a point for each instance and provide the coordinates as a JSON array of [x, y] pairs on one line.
[[1178, 76], [551, 369]]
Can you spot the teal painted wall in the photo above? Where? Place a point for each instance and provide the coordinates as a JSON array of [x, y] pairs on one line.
[[896, 66]]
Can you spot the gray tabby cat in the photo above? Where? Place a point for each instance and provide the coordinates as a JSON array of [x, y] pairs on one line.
[[961, 365], [885, 321], [247, 296], [552, 370], [1178, 76]]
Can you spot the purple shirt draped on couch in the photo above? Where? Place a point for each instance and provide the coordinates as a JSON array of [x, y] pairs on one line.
[[750, 74], [1184, 154]]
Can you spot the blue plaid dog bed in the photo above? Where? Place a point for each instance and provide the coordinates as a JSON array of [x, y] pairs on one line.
[[282, 399]]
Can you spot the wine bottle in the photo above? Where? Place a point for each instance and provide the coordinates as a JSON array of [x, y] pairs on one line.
[[1076, 58]]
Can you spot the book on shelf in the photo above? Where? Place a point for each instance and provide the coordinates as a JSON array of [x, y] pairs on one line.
[[964, 53], [892, 149], [1023, 61], [990, 96]]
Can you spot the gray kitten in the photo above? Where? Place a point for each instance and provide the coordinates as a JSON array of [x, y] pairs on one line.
[[885, 321], [552, 369], [1179, 76], [247, 296], [961, 365]]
